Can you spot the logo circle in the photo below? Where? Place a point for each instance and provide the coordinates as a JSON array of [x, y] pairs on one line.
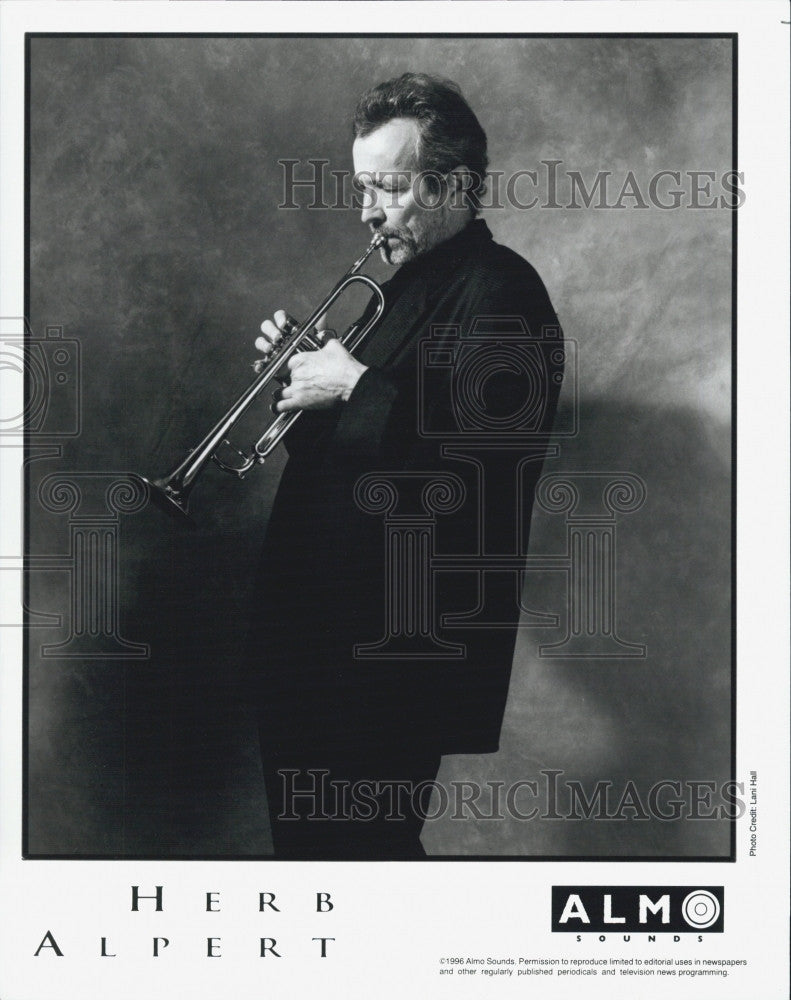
[[700, 909], [474, 394]]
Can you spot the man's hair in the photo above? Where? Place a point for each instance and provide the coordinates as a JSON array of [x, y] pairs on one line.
[[450, 134]]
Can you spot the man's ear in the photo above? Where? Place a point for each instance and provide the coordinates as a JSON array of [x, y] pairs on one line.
[[461, 181]]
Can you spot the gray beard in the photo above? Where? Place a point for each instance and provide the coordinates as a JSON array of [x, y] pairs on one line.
[[408, 246]]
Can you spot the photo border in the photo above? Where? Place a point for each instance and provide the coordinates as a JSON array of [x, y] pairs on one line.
[[731, 857]]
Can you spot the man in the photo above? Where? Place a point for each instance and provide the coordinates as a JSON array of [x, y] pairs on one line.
[[342, 735]]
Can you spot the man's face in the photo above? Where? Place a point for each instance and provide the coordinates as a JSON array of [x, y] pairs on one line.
[[412, 215]]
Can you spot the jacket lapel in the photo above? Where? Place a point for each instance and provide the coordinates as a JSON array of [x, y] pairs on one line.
[[398, 324]]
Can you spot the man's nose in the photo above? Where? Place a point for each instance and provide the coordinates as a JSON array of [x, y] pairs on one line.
[[373, 210]]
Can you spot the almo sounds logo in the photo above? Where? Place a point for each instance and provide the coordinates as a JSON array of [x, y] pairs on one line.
[[669, 908]]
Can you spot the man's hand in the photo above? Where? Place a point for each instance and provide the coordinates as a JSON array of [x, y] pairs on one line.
[[320, 379]]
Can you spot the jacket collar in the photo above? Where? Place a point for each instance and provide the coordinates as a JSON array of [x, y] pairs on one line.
[[434, 265], [415, 284]]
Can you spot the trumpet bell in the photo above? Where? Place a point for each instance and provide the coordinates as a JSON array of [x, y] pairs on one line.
[[168, 499]]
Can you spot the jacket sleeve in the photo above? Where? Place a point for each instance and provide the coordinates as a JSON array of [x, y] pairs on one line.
[[380, 423], [361, 432]]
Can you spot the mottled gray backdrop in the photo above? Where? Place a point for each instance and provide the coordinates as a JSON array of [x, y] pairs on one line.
[[156, 242]]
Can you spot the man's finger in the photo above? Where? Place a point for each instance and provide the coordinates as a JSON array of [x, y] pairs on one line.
[[285, 323], [335, 347], [285, 406], [270, 331], [297, 360]]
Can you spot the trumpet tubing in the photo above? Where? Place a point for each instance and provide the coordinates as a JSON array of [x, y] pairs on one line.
[[171, 492]]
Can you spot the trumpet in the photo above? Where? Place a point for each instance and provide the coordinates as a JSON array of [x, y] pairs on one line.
[[172, 492]]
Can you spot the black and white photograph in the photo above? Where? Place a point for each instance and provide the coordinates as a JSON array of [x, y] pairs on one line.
[[488, 571], [380, 413]]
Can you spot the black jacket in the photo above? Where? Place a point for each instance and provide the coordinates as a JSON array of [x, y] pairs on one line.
[[322, 583]]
